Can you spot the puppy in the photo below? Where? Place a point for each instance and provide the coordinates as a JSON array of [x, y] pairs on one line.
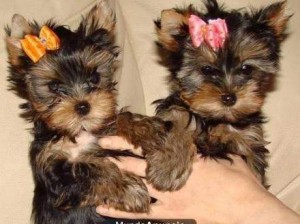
[[66, 79], [222, 64]]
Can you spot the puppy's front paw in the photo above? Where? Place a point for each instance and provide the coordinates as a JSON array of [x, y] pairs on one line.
[[169, 168], [215, 150]]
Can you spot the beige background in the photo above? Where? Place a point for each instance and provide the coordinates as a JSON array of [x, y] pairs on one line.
[[141, 81]]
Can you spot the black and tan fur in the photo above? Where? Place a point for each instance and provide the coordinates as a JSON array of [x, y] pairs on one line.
[[71, 100], [219, 94]]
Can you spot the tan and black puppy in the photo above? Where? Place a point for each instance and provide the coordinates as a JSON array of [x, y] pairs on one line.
[[222, 64], [66, 79]]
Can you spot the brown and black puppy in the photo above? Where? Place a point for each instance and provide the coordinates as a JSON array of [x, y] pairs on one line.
[[66, 79], [220, 75]]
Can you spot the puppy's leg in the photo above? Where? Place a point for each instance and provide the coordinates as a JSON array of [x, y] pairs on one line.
[[216, 143], [115, 188], [248, 143], [169, 151], [90, 180], [170, 166]]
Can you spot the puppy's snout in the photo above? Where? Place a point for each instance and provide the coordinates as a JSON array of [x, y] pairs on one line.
[[83, 108], [228, 99]]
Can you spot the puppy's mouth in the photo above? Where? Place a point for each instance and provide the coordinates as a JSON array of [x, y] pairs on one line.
[[73, 125], [84, 129], [93, 124], [219, 111], [90, 125], [230, 114]]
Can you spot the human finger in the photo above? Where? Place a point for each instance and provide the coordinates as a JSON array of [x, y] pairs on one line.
[[131, 164], [119, 143], [114, 213]]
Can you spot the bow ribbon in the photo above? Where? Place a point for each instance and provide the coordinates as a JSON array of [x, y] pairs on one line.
[[36, 47], [214, 33]]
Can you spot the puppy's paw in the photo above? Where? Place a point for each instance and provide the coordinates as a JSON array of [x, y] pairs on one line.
[[131, 196], [169, 168], [214, 150], [165, 178]]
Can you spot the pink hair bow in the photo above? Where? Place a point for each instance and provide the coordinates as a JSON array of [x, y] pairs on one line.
[[214, 33]]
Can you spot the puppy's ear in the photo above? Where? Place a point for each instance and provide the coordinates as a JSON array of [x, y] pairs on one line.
[[275, 17], [100, 16], [171, 28], [18, 29]]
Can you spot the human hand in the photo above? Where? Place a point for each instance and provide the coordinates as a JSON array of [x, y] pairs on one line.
[[216, 192]]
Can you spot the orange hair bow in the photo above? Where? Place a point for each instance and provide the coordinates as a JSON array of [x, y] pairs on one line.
[[36, 47]]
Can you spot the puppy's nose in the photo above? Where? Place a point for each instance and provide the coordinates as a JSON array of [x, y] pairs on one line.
[[229, 99], [82, 108]]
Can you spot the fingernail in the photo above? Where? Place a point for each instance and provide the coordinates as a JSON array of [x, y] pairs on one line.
[[105, 142]]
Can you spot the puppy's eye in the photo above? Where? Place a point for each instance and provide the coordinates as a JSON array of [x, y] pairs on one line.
[[95, 78], [56, 87], [53, 85], [207, 70], [211, 72], [247, 69]]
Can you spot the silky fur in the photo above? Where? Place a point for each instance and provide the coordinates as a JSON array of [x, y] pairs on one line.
[[72, 174], [254, 38]]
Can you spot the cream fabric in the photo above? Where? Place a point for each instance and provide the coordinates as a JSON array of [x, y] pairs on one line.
[[142, 80]]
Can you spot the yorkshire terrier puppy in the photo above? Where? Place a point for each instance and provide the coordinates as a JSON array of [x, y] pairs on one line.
[[66, 79], [222, 64]]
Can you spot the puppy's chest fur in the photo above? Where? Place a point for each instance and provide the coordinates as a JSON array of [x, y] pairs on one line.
[[212, 131], [74, 150], [81, 145], [248, 136]]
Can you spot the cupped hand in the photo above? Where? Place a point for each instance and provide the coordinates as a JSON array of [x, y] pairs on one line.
[[217, 191]]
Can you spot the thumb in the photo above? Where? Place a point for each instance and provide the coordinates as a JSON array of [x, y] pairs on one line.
[[118, 143]]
